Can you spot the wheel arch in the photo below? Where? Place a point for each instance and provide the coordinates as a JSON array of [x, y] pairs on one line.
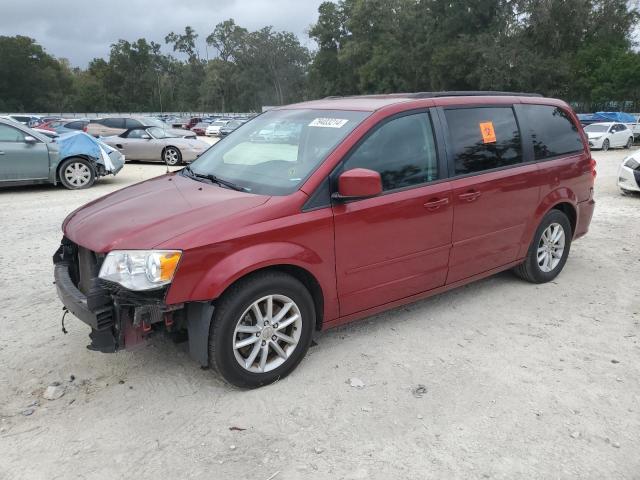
[[91, 161], [563, 199], [301, 274], [164, 149], [199, 314]]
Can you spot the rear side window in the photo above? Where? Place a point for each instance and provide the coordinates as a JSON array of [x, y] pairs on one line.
[[402, 150], [131, 123], [483, 138], [552, 131]]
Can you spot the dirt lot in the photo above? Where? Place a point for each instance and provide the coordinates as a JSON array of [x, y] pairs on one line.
[[521, 381]]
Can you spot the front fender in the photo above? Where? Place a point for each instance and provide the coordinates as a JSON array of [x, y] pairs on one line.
[[223, 270], [553, 198]]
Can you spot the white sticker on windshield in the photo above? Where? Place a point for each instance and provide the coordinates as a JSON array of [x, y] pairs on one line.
[[328, 122]]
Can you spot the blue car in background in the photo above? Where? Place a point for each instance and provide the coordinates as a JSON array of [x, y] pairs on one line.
[[75, 159]]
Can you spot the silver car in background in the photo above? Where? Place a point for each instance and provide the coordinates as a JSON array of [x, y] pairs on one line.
[[157, 145]]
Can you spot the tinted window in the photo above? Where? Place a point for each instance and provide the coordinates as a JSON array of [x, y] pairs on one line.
[[552, 131], [113, 122], [10, 134], [483, 138], [403, 152], [131, 123], [76, 125]]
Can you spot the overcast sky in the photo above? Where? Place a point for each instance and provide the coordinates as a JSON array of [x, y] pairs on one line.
[[83, 29]]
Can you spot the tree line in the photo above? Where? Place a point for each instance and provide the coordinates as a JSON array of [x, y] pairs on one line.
[[578, 50]]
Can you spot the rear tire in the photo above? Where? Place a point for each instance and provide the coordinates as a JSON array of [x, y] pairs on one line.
[[547, 255], [76, 173], [242, 317]]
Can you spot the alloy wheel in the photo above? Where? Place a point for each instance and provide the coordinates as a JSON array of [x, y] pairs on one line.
[[171, 156], [551, 247], [267, 333]]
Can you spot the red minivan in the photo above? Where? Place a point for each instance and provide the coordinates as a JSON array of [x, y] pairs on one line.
[[367, 203]]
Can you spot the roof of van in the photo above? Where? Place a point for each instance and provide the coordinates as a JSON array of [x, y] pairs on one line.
[[376, 102]]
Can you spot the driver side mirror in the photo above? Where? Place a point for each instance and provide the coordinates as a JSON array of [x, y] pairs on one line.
[[29, 139], [358, 183], [145, 136]]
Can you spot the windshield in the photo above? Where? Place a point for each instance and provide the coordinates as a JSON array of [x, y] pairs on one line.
[[219, 123], [274, 153], [596, 128], [158, 132]]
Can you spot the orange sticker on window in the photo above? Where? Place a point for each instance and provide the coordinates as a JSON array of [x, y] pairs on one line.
[[488, 133]]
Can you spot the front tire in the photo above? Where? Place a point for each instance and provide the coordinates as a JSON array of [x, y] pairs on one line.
[[172, 156], [629, 143], [261, 329], [549, 250], [605, 145], [77, 173]]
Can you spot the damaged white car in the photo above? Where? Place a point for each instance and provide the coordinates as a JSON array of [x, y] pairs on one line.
[[629, 174]]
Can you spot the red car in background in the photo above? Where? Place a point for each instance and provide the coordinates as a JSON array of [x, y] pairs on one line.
[[200, 128], [378, 202], [191, 123]]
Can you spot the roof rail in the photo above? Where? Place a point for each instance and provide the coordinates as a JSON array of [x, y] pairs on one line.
[[471, 93]]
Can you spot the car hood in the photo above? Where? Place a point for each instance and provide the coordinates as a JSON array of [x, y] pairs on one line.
[[150, 213]]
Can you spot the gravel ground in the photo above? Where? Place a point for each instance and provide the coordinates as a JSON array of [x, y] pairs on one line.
[[520, 381]]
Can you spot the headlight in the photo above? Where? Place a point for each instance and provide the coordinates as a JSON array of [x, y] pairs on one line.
[[596, 138], [632, 163], [140, 269]]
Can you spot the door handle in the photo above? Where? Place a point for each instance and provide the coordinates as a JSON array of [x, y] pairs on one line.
[[469, 196], [436, 203]]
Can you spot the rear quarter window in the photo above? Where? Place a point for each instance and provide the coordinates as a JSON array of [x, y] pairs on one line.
[[551, 131], [483, 138]]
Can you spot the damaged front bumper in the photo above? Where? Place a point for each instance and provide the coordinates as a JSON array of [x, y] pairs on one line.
[[119, 318]]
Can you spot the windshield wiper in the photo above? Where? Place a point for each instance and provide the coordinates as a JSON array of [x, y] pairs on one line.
[[219, 181]]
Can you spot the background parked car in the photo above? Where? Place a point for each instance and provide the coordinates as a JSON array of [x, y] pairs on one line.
[[42, 121], [76, 160], [23, 119], [191, 122], [45, 132], [105, 127], [230, 127], [156, 144], [607, 135], [200, 128], [629, 174], [66, 125], [213, 130]]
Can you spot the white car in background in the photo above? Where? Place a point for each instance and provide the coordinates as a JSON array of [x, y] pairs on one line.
[[607, 135], [629, 174], [213, 130]]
